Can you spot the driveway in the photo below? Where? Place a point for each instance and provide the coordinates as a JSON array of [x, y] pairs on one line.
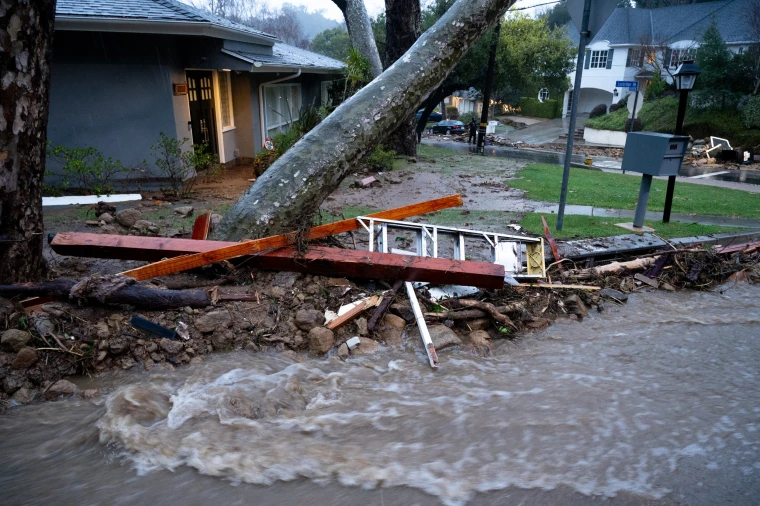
[[541, 132]]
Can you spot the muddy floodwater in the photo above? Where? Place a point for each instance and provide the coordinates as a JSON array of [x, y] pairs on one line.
[[655, 402]]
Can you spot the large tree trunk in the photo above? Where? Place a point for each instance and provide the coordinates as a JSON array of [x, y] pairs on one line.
[[360, 32], [287, 194], [26, 36], [402, 29]]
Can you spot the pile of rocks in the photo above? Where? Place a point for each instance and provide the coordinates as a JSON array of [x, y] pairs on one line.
[[131, 221]]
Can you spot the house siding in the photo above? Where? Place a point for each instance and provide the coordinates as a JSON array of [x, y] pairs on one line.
[[114, 93]]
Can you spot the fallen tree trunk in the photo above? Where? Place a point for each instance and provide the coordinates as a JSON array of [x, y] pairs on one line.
[[135, 295], [297, 183]]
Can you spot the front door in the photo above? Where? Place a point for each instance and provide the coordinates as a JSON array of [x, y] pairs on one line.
[[200, 93]]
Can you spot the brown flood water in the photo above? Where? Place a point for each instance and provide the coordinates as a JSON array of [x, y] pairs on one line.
[[655, 402]]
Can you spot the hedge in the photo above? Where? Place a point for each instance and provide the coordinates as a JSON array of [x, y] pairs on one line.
[[546, 109]]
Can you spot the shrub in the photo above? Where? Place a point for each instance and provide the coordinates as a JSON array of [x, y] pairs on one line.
[[638, 125], [452, 112], [547, 109], [381, 158], [617, 105], [599, 110], [751, 113], [469, 116], [613, 121], [182, 168], [86, 169]]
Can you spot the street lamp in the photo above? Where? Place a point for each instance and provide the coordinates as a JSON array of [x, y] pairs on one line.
[[684, 79]]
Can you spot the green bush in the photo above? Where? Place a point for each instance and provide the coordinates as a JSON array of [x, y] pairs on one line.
[[469, 116], [182, 168], [85, 169], [452, 112], [381, 159], [598, 111], [751, 113], [547, 109]]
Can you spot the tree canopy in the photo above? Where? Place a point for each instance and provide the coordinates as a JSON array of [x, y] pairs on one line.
[[333, 42]]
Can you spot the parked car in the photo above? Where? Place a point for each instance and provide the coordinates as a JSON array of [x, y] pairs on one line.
[[449, 127], [434, 116]]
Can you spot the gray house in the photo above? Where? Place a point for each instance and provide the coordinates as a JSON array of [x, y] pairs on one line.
[[124, 71]]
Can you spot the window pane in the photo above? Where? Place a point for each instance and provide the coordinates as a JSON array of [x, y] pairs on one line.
[[224, 99]]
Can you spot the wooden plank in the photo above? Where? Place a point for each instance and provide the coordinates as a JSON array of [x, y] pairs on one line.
[[201, 226], [353, 312], [129, 247], [552, 243], [747, 247], [173, 265], [552, 286], [374, 265]]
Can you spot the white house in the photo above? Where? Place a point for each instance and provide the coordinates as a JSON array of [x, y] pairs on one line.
[[631, 38]]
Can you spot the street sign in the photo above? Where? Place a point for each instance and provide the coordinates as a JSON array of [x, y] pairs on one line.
[[631, 85], [600, 11]]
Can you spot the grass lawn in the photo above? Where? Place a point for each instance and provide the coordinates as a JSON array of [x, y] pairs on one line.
[[619, 191], [590, 226]]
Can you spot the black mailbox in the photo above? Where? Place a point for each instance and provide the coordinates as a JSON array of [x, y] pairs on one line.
[[653, 153]]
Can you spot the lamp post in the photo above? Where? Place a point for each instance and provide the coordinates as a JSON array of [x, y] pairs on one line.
[[684, 78]]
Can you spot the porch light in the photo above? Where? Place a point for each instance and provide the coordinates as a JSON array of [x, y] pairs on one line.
[[686, 75], [615, 92]]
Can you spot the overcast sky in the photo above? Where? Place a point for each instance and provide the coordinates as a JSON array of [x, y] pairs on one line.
[[374, 7]]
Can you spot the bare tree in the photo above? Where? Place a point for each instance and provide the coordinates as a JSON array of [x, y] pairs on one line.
[[26, 38], [360, 32], [286, 196], [402, 29]]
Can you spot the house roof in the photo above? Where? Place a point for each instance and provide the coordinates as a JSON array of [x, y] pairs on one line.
[[284, 55], [666, 25], [152, 16]]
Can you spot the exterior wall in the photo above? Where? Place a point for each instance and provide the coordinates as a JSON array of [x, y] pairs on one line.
[[114, 92], [604, 137], [244, 109]]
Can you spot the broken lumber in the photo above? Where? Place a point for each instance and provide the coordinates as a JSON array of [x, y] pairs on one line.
[[353, 312], [383, 306], [375, 265], [614, 268], [552, 243], [201, 227], [427, 341], [318, 260], [488, 308], [135, 295], [472, 314], [747, 247], [173, 265]]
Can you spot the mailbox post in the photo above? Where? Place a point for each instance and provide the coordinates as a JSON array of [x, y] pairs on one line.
[[652, 154]]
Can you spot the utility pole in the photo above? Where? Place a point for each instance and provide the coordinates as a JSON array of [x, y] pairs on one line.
[[487, 91]]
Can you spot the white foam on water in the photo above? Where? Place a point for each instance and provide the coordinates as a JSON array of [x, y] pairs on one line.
[[619, 415]]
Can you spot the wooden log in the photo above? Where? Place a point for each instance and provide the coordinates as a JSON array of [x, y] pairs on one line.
[[383, 306], [353, 312], [201, 227], [173, 265], [614, 268], [135, 295], [472, 314], [488, 308], [374, 265]]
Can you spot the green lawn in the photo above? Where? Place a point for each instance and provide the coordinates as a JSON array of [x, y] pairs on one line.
[[576, 226], [619, 191]]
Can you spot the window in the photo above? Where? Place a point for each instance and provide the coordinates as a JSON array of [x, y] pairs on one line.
[[635, 57], [543, 94], [677, 56], [225, 100], [598, 59], [325, 92], [569, 101], [282, 103]]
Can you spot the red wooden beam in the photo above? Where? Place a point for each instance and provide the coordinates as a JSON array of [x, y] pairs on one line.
[[201, 227], [318, 260]]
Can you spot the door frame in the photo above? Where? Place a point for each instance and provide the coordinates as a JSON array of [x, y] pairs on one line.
[[216, 110]]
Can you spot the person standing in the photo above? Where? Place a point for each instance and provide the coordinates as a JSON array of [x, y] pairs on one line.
[[473, 131]]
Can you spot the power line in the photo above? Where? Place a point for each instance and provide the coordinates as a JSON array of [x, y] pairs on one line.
[[533, 6]]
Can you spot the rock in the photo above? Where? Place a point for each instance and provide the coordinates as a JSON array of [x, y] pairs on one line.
[[106, 217], [613, 294], [343, 351], [394, 321], [108, 229], [216, 219], [391, 336], [321, 340], [285, 279], [25, 358], [12, 383], [366, 347], [404, 311], [146, 227], [171, 346], [128, 217], [14, 340], [443, 337], [102, 331], [222, 339], [90, 393], [128, 363], [118, 345], [479, 341], [361, 326], [667, 286], [184, 211], [277, 292], [537, 324], [61, 388], [307, 319], [24, 395], [212, 321], [575, 305]]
